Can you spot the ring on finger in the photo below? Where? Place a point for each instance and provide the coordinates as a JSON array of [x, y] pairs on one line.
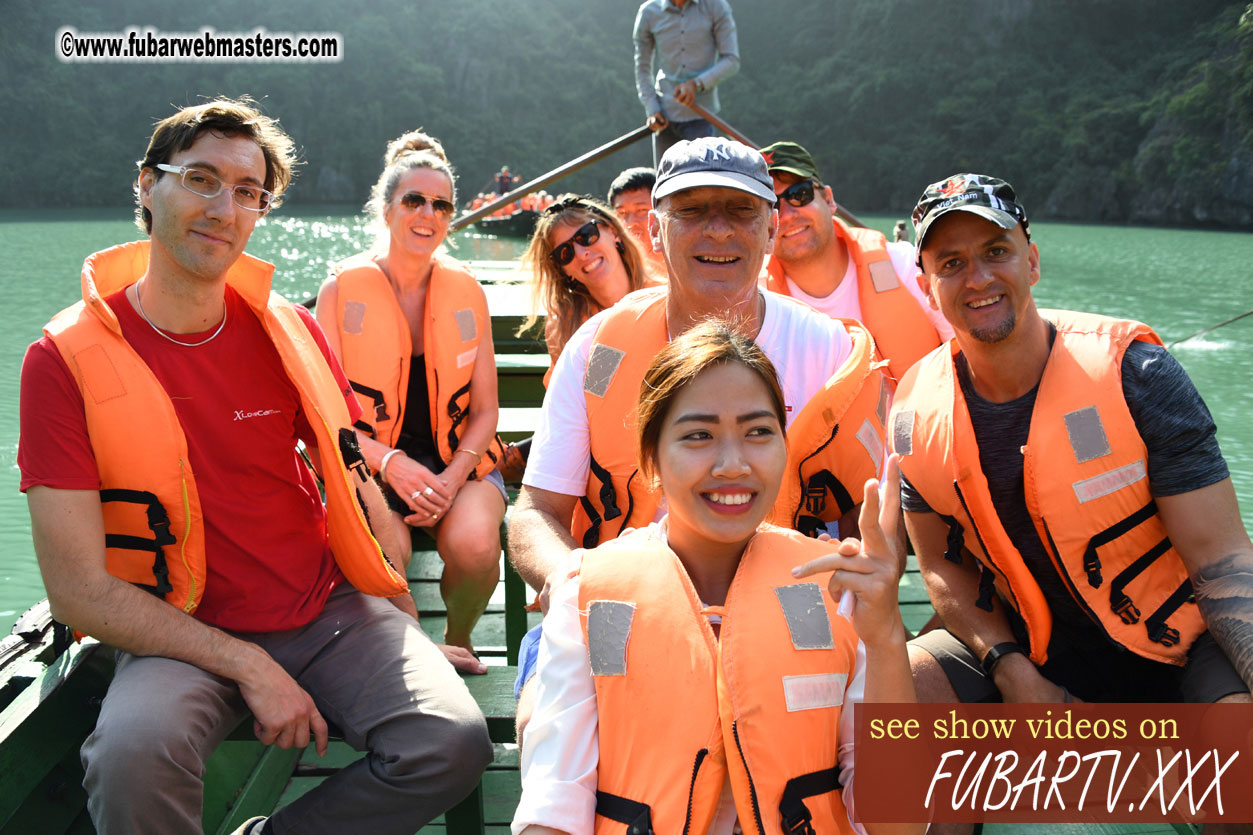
[[416, 494], [428, 491]]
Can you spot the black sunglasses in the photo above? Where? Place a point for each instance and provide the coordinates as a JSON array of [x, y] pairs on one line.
[[585, 235], [412, 201], [799, 194]]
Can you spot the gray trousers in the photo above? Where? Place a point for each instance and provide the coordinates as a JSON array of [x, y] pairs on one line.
[[372, 673]]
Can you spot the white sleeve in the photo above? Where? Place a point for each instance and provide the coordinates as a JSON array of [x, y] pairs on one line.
[[561, 448], [902, 255], [853, 695], [561, 751]]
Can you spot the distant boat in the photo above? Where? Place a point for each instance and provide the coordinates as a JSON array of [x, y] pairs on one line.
[[520, 224]]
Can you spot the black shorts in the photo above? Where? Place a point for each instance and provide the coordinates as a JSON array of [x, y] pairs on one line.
[[1207, 677]]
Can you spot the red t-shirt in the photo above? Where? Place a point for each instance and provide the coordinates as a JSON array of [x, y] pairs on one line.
[[268, 564]]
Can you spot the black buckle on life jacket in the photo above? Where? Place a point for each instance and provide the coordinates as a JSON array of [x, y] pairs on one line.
[[380, 405], [1156, 625], [1092, 566], [1119, 602], [350, 451], [987, 585], [956, 540], [1124, 608], [456, 412], [795, 815], [814, 501], [637, 816], [608, 500], [1092, 560], [158, 523]]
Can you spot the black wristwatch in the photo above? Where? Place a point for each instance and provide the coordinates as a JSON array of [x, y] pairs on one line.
[[996, 653]]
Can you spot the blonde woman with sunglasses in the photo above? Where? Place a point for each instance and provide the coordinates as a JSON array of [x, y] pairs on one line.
[[581, 260], [411, 326]]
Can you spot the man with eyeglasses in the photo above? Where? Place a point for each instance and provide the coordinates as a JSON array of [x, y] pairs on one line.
[[174, 520], [714, 221], [696, 48], [844, 271]]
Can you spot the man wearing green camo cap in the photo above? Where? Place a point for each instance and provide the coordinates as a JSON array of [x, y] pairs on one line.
[[843, 271]]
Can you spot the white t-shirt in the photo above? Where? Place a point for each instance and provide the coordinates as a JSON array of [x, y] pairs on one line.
[[845, 302], [561, 751], [805, 347]]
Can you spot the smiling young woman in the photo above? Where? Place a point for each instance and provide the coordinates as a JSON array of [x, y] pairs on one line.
[[411, 327], [710, 608]]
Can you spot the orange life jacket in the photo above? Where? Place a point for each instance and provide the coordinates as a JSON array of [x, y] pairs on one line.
[[821, 461], [827, 468], [1084, 467], [762, 701], [900, 326], [376, 347], [154, 527]]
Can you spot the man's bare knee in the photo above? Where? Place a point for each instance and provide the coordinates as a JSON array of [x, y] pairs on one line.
[[930, 682]]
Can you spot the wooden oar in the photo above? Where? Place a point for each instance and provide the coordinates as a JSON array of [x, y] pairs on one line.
[[552, 176], [1211, 328], [722, 126], [727, 129]]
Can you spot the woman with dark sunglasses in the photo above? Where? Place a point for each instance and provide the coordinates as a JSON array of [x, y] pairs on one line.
[[411, 327], [581, 261]]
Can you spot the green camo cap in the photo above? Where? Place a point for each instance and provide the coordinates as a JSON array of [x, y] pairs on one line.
[[792, 158]]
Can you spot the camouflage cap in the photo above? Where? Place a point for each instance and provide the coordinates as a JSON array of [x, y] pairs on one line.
[[792, 158], [988, 197]]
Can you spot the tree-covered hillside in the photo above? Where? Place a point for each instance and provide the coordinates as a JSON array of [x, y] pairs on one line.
[[1109, 110]]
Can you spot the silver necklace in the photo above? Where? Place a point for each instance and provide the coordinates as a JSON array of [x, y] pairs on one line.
[[140, 305]]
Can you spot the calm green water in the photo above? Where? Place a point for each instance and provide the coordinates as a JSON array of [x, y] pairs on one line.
[[1178, 281]]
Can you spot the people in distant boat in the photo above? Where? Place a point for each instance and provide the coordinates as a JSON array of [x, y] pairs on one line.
[[411, 327], [695, 47], [846, 271], [174, 519], [1063, 488], [506, 180], [703, 609], [631, 197], [581, 260], [714, 219], [900, 232]]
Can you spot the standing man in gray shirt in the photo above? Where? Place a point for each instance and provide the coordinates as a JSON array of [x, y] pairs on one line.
[[695, 45]]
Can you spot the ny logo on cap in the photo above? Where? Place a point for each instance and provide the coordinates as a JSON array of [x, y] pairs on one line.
[[715, 152]]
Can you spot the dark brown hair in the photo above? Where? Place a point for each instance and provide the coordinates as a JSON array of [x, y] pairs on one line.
[[709, 343], [228, 117]]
